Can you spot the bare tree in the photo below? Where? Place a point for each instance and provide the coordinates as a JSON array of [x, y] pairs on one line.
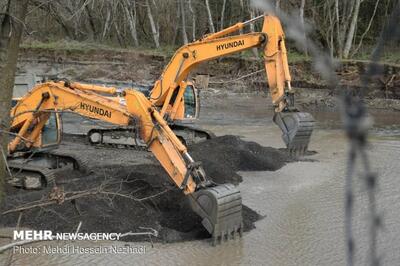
[[184, 34], [222, 14], [12, 26], [210, 19], [130, 12], [252, 29], [339, 38], [302, 5], [106, 24], [154, 29], [350, 33], [277, 5], [193, 14], [242, 13], [367, 29]]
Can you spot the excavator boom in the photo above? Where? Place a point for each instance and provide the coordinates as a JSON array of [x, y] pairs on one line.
[[296, 126]]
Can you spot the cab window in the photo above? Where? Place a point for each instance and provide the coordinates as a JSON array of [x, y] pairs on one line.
[[50, 131], [190, 102]]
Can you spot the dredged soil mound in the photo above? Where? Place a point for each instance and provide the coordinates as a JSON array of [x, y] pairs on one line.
[[126, 197], [223, 156]]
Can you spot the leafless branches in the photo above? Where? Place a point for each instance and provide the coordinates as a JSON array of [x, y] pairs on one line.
[[340, 24], [58, 196]]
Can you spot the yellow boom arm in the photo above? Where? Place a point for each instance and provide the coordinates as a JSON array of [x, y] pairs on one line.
[[216, 45]]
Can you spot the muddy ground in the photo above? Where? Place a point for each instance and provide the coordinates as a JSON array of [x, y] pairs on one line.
[[154, 202]]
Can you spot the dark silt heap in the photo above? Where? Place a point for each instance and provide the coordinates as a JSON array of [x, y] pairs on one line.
[[168, 212]]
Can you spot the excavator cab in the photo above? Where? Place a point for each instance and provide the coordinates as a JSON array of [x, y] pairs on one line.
[[51, 132], [191, 101]]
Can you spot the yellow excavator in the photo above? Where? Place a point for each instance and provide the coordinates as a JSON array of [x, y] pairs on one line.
[[177, 100], [36, 129]]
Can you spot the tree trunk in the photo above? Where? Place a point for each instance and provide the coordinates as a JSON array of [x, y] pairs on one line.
[[350, 34], [184, 34], [367, 29], [210, 20], [132, 20], [278, 5], [252, 29], [154, 29], [222, 15], [193, 20], [302, 5], [339, 33], [106, 24], [10, 37], [91, 22], [241, 14]]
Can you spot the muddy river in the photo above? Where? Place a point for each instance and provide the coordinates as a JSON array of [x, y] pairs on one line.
[[302, 203]]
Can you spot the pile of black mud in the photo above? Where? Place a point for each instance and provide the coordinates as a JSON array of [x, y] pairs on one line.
[[223, 156], [127, 197]]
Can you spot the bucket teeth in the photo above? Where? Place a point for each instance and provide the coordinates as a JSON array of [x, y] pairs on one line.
[[221, 210], [226, 236]]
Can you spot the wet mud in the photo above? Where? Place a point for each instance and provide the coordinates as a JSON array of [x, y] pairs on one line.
[[128, 196]]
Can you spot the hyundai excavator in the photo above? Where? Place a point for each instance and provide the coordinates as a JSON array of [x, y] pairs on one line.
[[177, 100], [36, 130]]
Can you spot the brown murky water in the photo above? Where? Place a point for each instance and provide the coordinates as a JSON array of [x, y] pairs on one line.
[[302, 204]]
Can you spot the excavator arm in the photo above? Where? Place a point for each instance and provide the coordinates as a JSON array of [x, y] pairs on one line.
[[168, 90], [219, 206]]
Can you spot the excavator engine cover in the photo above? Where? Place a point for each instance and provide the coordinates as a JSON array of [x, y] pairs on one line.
[[220, 207], [296, 129]]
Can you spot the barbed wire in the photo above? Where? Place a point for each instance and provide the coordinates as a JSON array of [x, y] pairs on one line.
[[354, 115], [356, 123]]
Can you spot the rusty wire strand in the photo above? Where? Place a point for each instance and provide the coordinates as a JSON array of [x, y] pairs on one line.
[[355, 119], [356, 125]]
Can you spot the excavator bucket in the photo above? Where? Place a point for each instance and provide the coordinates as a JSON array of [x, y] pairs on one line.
[[296, 129], [220, 207]]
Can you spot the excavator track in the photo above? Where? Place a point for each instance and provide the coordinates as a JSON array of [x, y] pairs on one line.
[[117, 137], [37, 170], [21, 172], [190, 134], [220, 208], [79, 164], [124, 137]]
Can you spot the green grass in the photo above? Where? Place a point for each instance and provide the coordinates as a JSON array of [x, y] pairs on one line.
[[295, 57], [75, 46], [66, 45]]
